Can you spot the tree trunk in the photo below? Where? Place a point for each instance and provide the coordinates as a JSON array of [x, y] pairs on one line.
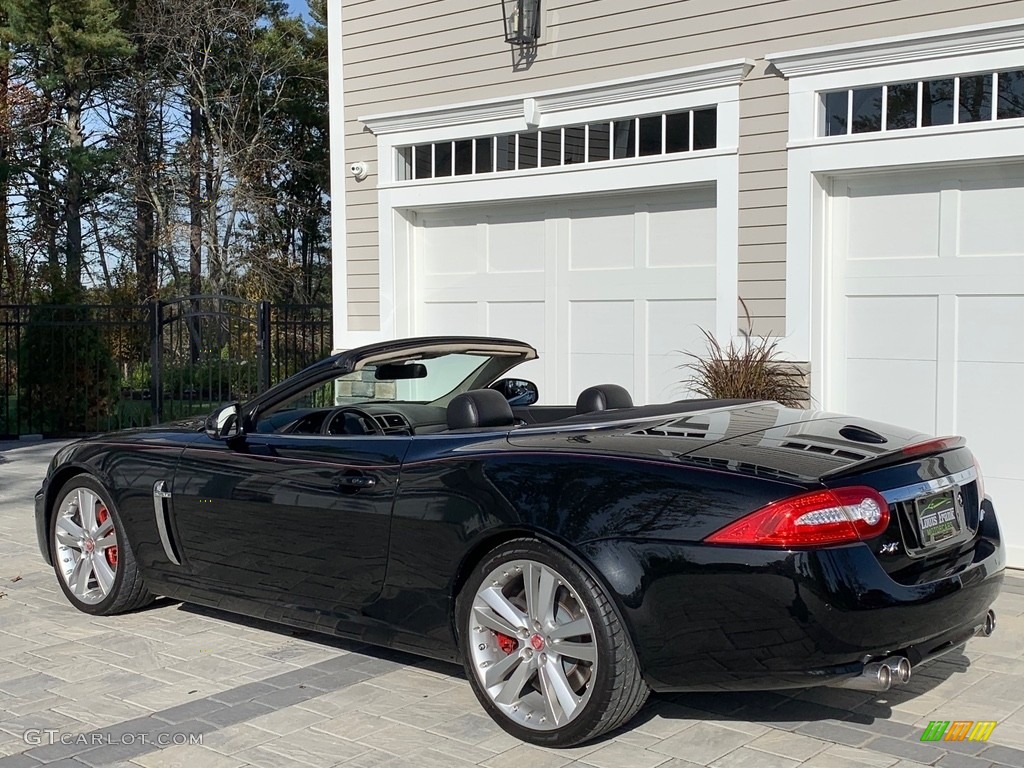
[[47, 219], [6, 268], [213, 251], [145, 212], [195, 201], [73, 189]]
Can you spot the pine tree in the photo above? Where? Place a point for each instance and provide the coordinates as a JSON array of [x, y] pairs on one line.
[[68, 50]]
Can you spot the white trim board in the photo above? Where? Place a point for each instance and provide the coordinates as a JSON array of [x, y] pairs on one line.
[[927, 46], [544, 109]]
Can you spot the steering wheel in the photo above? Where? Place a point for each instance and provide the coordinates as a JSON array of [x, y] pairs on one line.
[[369, 424]]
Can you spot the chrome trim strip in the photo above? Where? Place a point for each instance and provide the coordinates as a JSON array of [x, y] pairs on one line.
[[908, 492], [160, 494]]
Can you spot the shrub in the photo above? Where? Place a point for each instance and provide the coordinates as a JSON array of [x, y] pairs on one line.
[[69, 380], [751, 370]]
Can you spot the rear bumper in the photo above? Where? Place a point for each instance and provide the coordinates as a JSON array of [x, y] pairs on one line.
[[720, 618]]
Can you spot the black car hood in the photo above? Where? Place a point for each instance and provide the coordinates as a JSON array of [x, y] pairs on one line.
[[760, 438]]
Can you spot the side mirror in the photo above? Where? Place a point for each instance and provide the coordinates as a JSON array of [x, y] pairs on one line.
[[517, 391], [225, 423]]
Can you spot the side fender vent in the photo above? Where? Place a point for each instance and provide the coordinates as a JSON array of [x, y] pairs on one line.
[[160, 497]]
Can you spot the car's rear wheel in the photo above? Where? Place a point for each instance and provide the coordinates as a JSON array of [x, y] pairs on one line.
[[544, 649], [92, 558]]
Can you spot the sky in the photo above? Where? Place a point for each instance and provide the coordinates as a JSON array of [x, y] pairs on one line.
[[299, 7]]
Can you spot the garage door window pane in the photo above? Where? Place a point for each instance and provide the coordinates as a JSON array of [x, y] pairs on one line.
[[836, 107], [901, 106], [705, 129], [463, 157], [551, 148], [650, 136], [527, 150], [404, 170], [677, 132], [625, 138], [506, 152], [484, 155], [867, 110], [599, 142], [975, 98], [423, 163], [575, 141], [937, 102], [1011, 95], [442, 159]]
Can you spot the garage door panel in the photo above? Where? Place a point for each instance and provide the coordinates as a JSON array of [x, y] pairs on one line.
[[902, 223], [673, 330], [987, 412], [685, 283], [872, 322], [576, 279], [683, 237], [598, 327], [602, 240], [450, 248], [895, 391], [990, 220], [990, 329], [438, 319], [515, 245]]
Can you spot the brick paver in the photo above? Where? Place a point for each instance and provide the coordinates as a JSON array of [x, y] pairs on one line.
[[177, 685]]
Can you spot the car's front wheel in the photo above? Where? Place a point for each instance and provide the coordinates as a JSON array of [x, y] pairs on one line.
[[94, 563], [544, 649]]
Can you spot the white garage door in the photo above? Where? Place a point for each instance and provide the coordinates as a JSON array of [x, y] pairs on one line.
[[927, 314], [608, 289]]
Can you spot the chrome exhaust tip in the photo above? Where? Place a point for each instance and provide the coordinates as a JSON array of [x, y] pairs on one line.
[[899, 668], [988, 626], [875, 677]]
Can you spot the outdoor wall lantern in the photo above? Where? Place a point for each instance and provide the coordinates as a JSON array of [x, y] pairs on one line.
[[522, 21]]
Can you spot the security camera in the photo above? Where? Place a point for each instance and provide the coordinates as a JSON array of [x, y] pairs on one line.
[[359, 170]]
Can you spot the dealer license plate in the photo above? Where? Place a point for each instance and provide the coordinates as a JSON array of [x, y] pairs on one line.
[[940, 517]]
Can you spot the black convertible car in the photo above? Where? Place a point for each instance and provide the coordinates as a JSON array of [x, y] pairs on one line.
[[573, 558]]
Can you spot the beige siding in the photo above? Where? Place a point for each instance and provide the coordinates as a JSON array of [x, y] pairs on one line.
[[426, 53]]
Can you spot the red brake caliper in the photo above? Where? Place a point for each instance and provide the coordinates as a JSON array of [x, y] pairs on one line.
[[506, 643], [111, 552]]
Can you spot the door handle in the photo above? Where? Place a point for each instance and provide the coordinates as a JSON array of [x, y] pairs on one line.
[[355, 482]]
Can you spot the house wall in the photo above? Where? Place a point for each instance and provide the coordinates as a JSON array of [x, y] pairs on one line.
[[410, 54]]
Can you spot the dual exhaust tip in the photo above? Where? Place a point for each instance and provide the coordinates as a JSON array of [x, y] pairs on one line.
[[881, 675], [896, 670]]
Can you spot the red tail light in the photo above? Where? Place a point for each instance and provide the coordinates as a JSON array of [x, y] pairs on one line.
[[811, 519]]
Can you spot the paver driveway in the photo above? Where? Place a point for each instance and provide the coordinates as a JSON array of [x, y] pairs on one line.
[[147, 688]]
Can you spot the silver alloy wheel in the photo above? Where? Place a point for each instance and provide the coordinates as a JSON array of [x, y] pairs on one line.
[[533, 645], [85, 545]]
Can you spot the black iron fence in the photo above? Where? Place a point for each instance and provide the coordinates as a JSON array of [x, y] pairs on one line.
[[71, 370]]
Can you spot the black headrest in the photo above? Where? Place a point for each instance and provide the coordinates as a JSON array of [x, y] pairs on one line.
[[479, 408], [602, 398]]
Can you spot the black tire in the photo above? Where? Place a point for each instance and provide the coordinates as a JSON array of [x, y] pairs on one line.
[[618, 689], [128, 592]]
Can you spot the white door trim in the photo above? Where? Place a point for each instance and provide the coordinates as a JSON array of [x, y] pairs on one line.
[[398, 202], [813, 160]]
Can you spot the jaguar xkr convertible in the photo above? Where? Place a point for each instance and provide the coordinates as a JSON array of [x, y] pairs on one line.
[[573, 558]]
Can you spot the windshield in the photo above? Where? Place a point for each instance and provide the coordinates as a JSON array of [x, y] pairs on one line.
[[436, 378], [419, 380]]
